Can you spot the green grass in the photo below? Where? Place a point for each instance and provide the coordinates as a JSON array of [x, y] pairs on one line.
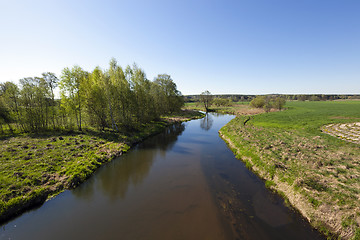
[[310, 116], [289, 147]]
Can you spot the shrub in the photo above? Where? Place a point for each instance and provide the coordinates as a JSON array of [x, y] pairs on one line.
[[258, 102], [278, 103], [222, 102]]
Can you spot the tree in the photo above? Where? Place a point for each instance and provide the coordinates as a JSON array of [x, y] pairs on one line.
[[115, 97], [314, 98], [5, 116], [206, 99], [71, 90], [122, 94], [95, 97], [142, 100], [222, 102], [52, 82], [11, 94], [34, 97], [279, 103], [268, 105], [169, 99], [258, 102]]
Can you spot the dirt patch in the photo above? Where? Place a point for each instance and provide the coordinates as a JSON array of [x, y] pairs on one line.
[[246, 110], [345, 131], [241, 110]]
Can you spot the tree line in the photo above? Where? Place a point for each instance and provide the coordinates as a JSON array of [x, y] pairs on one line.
[[289, 97], [267, 102], [117, 98]]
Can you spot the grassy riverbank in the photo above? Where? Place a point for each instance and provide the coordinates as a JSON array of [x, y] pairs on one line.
[[237, 108], [317, 173], [36, 167]]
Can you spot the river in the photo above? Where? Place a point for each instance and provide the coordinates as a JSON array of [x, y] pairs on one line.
[[184, 183]]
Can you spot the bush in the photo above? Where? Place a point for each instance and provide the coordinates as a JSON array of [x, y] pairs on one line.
[[267, 106], [222, 102], [258, 102], [278, 103], [268, 102]]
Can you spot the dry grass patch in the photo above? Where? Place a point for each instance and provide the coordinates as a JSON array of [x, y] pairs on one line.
[[345, 131]]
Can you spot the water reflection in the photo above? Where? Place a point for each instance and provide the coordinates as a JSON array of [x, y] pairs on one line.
[[270, 210], [206, 122], [165, 140], [132, 168]]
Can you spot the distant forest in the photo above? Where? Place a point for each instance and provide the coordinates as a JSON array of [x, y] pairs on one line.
[[289, 97], [116, 98]]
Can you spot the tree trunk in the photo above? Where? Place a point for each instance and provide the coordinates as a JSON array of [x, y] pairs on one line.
[[79, 112], [112, 118]]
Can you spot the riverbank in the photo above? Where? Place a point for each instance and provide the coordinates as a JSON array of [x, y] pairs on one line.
[[316, 173], [35, 168], [237, 108]]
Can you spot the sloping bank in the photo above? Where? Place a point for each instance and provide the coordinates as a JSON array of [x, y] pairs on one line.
[[316, 174], [36, 168]]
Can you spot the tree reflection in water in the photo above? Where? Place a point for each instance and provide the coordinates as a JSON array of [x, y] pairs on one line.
[[206, 122], [115, 178]]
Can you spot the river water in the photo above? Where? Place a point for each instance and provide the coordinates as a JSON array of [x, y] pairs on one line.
[[181, 184]]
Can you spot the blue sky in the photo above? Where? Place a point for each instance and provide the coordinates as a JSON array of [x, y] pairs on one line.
[[235, 47]]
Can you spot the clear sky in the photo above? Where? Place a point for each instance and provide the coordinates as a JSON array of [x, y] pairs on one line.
[[235, 47]]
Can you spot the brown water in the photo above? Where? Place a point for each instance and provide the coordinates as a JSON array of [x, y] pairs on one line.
[[181, 184]]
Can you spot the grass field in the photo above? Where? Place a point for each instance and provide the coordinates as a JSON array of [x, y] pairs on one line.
[[36, 167], [317, 173], [310, 116]]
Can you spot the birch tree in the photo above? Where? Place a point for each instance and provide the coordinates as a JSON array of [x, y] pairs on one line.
[[71, 90]]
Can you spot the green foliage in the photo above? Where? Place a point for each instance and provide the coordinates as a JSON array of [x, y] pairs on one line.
[[72, 91], [222, 102], [10, 94], [168, 99], [5, 116], [314, 98], [357, 234], [116, 98], [348, 222], [269, 183], [34, 102], [278, 103], [96, 98], [267, 106], [314, 202], [258, 102], [268, 102], [315, 184]]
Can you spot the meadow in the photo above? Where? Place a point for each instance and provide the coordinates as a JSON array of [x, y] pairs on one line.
[[318, 174]]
